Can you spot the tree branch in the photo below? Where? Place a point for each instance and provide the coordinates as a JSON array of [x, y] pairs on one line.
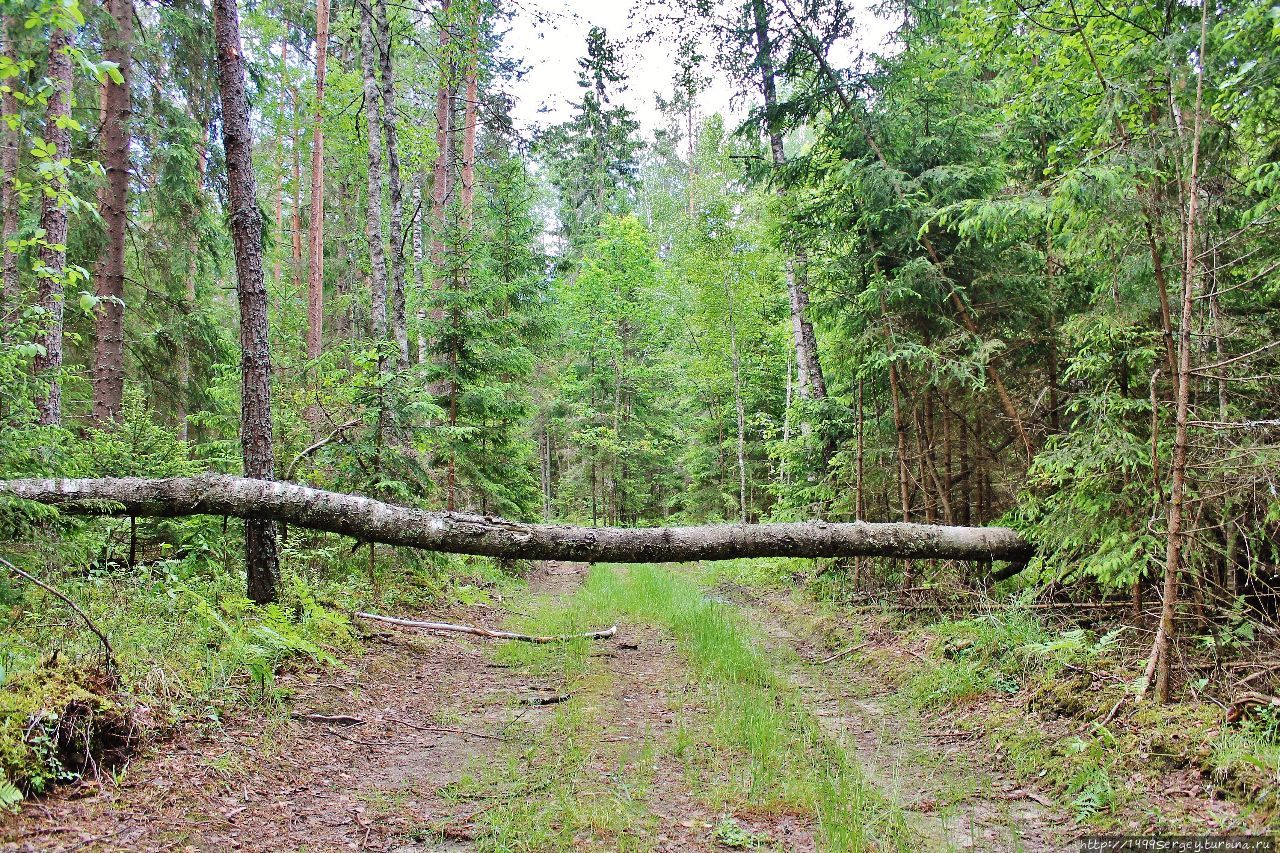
[[106, 644]]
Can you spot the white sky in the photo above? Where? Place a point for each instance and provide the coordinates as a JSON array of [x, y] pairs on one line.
[[550, 36]]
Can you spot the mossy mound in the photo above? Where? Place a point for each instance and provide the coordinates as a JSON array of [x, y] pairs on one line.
[[59, 723], [1066, 695]]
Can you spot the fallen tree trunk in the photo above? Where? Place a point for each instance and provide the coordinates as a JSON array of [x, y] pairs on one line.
[[475, 631], [373, 521]]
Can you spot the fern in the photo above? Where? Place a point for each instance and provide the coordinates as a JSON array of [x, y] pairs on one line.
[[10, 796]]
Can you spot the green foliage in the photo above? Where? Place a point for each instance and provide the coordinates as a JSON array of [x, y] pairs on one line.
[[592, 155]]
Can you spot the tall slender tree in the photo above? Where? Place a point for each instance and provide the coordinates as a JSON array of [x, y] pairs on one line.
[[812, 383], [262, 562], [373, 209], [441, 183], [315, 235], [117, 111], [54, 221], [10, 140], [395, 191]]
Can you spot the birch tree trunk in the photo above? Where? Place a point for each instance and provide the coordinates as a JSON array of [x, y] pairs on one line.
[[399, 321], [373, 521], [53, 220], [373, 210], [810, 381], [108, 362], [262, 563], [419, 264], [10, 140]]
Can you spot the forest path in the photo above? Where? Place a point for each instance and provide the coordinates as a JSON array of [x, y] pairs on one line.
[[438, 716], [952, 796], [463, 744]]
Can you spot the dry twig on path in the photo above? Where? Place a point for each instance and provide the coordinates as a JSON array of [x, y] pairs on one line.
[[843, 653], [446, 730], [485, 632]]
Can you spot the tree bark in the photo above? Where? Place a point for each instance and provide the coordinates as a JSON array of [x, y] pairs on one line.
[[1176, 542], [262, 564], [399, 320], [440, 188], [374, 521], [53, 220], [189, 296], [739, 407], [108, 362], [9, 202], [295, 213], [279, 156], [1162, 290], [373, 211], [811, 383], [315, 231], [859, 504], [469, 123]]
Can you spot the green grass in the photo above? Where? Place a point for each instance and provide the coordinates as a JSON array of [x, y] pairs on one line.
[[539, 795], [188, 644], [755, 746], [744, 738]]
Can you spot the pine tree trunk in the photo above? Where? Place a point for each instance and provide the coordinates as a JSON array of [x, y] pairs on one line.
[[399, 321], [108, 362], [53, 220], [295, 214], [469, 122], [278, 264], [261, 556], [9, 202], [315, 232]]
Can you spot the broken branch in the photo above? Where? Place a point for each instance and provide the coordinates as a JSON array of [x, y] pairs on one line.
[[106, 644], [485, 632]]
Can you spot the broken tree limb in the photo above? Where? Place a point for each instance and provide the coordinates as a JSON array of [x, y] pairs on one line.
[[108, 652], [374, 521], [485, 632]]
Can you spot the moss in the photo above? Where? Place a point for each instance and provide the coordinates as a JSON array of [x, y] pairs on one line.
[[1177, 736], [1068, 696], [59, 722], [1067, 693]]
